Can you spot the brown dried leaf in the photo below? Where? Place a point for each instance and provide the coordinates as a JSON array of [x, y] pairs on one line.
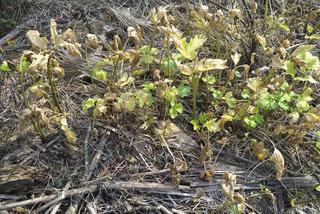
[[92, 41], [278, 161]]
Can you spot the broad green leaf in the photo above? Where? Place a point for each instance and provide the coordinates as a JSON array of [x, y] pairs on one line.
[[4, 66], [101, 75], [317, 145], [288, 66], [245, 93], [254, 83], [212, 125], [23, 65], [210, 79], [195, 124], [142, 98], [284, 26], [171, 95], [311, 61], [203, 117], [188, 49], [211, 64], [169, 66], [175, 109], [89, 103], [184, 90], [249, 121], [303, 48]]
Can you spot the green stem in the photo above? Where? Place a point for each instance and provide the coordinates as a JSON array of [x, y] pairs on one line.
[[195, 87]]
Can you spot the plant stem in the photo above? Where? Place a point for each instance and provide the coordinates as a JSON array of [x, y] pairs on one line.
[[34, 123], [53, 85]]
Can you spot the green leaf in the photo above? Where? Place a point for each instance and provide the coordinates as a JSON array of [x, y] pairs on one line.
[[210, 79], [203, 117], [188, 49], [171, 95], [245, 93], [4, 66], [184, 90], [308, 78], [253, 120], [195, 123], [175, 109], [302, 49], [23, 65], [169, 66], [288, 66], [148, 86], [311, 61], [233, 208], [249, 121], [216, 93], [212, 125], [254, 83], [89, 103], [101, 75], [317, 145], [284, 26]]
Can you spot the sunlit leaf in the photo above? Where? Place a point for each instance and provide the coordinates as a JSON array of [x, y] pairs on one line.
[[302, 48], [4, 66], [289, 67], [188, 49], [175, 109], [308, 78], [278, 161], [235, 58], [37, 41], [284, 26], [211, 64], [101, 75], [184, 69], [212, 125], [261, 40], [89, 103]]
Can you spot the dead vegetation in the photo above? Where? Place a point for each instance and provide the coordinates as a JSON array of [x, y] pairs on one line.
[[125, 114]]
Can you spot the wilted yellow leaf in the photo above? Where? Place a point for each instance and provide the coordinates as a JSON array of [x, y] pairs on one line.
[[92, 41], [278, 161], [184, 69], [261, 40], [55, 37], [58, 40], [211, 64], [37, 41]]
